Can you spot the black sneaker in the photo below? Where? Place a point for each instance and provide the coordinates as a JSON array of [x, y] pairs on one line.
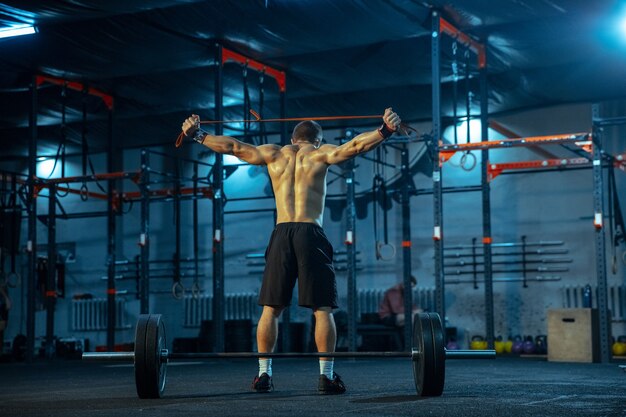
[[334, 386], [263, 383]]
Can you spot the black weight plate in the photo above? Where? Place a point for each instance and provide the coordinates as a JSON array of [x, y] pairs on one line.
[[429, 355], [155, 343], [418, 360], [439, 356], [141, 381], [423, 370]]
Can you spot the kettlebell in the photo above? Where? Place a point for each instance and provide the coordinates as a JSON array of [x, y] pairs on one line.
[[498, 345], [529, 346], [619, 347], [452, 345], [508, 345], [541, 344], [518, 345], [477, 343]]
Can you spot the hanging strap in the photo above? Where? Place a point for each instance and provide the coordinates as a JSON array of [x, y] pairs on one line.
[[246, 102], [618, 231], [455, 96], [263, 138], [468, 94]]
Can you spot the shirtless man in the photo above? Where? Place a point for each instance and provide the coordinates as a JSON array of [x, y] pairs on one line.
[[298, 246]]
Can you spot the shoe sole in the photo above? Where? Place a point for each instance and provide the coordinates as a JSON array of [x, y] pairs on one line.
[[323, 392]]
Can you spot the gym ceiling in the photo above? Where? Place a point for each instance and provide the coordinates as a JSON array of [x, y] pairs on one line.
[[157, 59]]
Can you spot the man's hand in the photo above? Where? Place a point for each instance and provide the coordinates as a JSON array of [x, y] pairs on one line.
[[191, 125], [391, 119]]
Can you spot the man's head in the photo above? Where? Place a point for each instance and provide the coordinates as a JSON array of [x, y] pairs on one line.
[[308, 132]]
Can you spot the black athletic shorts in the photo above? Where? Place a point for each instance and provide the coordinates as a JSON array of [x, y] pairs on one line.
[[302, 251]]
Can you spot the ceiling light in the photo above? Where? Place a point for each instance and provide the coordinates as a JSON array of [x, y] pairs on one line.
[[17, 30]]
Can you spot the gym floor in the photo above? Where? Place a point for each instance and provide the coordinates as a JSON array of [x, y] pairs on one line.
[[504, 387]]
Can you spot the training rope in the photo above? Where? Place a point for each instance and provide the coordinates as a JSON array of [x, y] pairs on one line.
[[404, 128]]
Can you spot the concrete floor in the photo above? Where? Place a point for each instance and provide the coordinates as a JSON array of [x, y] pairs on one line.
[[504, 387]]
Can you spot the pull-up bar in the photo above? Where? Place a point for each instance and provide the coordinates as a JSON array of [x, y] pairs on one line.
[[449, 29], [75, 85], [279, 76], [582, 139]]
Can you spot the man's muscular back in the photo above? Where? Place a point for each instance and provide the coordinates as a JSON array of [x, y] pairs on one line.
[[297, 171], [298, 174]]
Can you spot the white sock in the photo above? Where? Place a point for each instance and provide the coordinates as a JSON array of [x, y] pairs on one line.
[[265, 366], [326, 368]]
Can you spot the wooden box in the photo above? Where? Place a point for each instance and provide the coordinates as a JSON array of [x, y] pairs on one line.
[[573, 335]]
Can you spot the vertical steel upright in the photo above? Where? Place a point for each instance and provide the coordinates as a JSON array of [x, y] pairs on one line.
[[350, 241], [218, 211], [196, 245], [112, 161], [406, 246], [598, 208], [144, 238], [51, 293], [486, 197], [284, 139], [437, 173], [32, 224]]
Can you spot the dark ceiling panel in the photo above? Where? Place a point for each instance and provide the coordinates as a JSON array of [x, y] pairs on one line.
[[341, 57]]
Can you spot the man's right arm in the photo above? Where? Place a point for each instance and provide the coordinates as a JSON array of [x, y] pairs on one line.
[[254, 155]]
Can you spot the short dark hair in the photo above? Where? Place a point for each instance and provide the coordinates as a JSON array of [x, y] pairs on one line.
[[308, 131]]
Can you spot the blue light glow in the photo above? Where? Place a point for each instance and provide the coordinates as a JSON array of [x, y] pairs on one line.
[[232, 160], [17, 30]]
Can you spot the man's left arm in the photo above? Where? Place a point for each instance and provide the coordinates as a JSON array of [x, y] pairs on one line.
[[364, 142]]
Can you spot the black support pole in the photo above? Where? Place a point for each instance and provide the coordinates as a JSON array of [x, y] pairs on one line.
[[437, 173], [32, 225], [598, 208], [196, 246], [51, 289], [406, 247], [144, 237], [284, 138], [348, 173], [111, 236], [486, 197], [218, 212]]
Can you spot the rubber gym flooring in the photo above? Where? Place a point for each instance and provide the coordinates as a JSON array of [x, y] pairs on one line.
[[502, 387]]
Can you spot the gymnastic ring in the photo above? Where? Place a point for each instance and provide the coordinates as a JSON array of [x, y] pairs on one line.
[[385, 251], [178, 291], [61, 195], [195, 290], [471, 166], [12, 279], [84, 192]]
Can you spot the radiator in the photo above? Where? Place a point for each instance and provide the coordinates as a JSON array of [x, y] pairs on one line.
[[92, 314], [238, 306], [370, 298], [573, 298]]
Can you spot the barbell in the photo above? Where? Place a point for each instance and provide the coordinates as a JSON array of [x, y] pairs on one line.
[[151, 355]]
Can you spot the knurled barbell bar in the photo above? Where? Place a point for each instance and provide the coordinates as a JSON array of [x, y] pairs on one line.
[[150, 357]]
